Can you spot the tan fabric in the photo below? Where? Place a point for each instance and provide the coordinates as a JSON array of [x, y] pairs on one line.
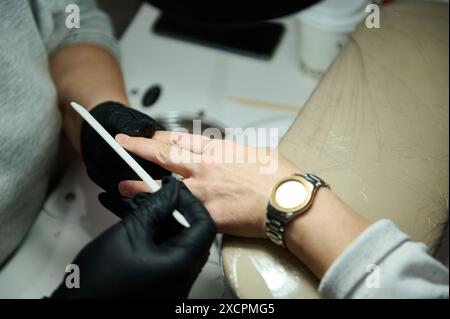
[[376, 129]]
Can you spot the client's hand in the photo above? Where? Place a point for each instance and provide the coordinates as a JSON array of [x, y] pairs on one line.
[[103, 165], [233, 181], [147, 254]]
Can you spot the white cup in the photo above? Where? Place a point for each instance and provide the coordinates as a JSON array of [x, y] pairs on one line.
[[323, 29]]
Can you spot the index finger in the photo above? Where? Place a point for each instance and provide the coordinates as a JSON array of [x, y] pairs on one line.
[[191, 142], [170, 157]]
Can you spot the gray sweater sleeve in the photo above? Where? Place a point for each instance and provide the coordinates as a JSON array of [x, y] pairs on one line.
[[94, 27], [383, 262]]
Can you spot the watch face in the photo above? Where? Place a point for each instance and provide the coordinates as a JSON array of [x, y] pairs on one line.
[[291, 195]]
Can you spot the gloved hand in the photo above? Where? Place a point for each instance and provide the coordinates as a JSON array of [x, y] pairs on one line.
[[147, 254], [104, 166]]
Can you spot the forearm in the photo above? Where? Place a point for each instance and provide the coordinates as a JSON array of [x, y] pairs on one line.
[[320, 235], [89, 75]]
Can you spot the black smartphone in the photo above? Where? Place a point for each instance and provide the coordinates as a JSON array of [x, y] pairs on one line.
[[258, 40]]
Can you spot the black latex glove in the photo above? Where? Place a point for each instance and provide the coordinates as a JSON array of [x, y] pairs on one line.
[[147, 254], [104, 166]]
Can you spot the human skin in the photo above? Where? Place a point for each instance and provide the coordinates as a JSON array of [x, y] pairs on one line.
[[236, 194], [89, 75]]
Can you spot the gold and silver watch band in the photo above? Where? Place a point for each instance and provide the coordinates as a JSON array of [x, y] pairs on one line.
[[276, 221], [274, 226]]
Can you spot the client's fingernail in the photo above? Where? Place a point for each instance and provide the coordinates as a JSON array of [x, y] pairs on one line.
[[122, 139], [124, 188]]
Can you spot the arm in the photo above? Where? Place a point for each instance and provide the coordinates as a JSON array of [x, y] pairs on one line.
[[320, 235], [237, 195], [83, 63], [324, 238], [84, 66], [88, 74], [356, 260], [91, 76]]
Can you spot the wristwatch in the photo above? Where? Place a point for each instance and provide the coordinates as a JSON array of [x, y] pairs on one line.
[[290, 197]]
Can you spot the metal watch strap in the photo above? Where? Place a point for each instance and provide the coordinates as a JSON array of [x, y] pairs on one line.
[[276, 222], [315, 180], [275, 226]]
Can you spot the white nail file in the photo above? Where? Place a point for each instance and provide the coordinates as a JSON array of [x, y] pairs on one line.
[[124, 155]]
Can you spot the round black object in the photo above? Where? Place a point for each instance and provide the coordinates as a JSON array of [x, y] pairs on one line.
[[230, 11], [151, 95]]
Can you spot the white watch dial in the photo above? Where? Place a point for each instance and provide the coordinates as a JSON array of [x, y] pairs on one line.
[[290, 194]]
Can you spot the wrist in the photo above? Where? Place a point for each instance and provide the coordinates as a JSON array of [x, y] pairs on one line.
[[107, 106], [322, 233], [298, 229], [288, 170]]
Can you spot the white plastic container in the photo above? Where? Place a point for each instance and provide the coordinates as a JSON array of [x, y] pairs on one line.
[[323, 29]]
